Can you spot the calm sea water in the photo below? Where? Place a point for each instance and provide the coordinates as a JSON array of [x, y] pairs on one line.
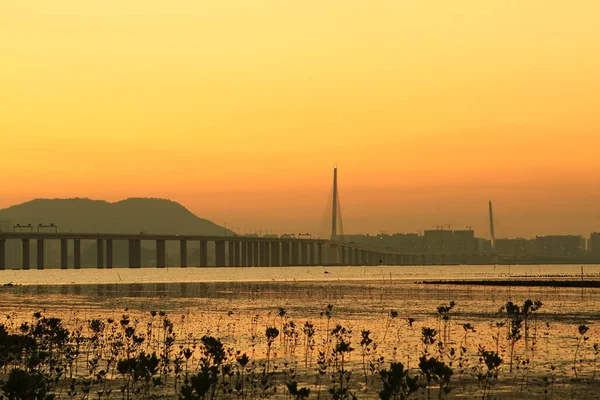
[[286, 274]]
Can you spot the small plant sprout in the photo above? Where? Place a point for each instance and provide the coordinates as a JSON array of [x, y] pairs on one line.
[[488, 372], [515, 322], [467, 328], [596, 351], [428, 338], [391, 317], [444, 319], [397, 384], [581, 330]]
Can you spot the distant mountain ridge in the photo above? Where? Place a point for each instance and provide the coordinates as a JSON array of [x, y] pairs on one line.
[[132, 215]]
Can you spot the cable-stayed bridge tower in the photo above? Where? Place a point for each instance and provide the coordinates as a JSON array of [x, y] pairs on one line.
[[334, 206]]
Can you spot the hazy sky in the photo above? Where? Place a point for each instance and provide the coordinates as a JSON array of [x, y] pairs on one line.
[[239, 109]]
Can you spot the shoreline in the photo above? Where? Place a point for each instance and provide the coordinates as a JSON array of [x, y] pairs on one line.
[[520, 283]]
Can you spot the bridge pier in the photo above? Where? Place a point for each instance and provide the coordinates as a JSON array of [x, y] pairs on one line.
[[303, 254], [343, 260], [99, 254], [203, 253], [334, 255], [320, 254], [295, 254], [230, 254], [275, 260], [256, 254], [40, 254], [64, 254], [355, 259], [219, 253], [264, 254], [77, 254], [2, 254], [285, 254], [250, 247], [25, 250], [244, 258], [161, 254], [311, 253], [109, 253], [183, 258], [237, 256], [135, 253]]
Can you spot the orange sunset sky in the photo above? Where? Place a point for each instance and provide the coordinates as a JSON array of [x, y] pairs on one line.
[[239, 109]]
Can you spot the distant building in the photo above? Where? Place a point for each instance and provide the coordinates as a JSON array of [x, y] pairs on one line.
[[515, 247], [559, 245], [594, 244]]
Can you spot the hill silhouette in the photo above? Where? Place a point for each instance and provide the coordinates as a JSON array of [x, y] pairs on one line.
[[132, 215]]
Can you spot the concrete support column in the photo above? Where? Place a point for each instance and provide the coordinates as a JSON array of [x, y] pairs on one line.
[[237, 254], [295, 253], [183, 253], [40, 254], [230, 254], [2, 254], [311, 253], [25, 250], [343, 260], [285, 253], [130, 252], [220, 253], [77, 254], [275, 260], [109, 253], [244, 260], [319, 253], [64, 254], [250, 247], [99, 253], [255, 253], [334, 255], [264, 254], [303, 253], [161, 254], [203, 253], [135, 253]]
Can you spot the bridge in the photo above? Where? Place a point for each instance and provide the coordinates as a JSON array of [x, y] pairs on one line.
[[227, 251], [231, 251]]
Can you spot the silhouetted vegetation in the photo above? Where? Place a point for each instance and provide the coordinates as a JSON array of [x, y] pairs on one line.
[[145, 358]]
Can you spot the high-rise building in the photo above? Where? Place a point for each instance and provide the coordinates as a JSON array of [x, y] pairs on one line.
[[594, 244], [559, 245]]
